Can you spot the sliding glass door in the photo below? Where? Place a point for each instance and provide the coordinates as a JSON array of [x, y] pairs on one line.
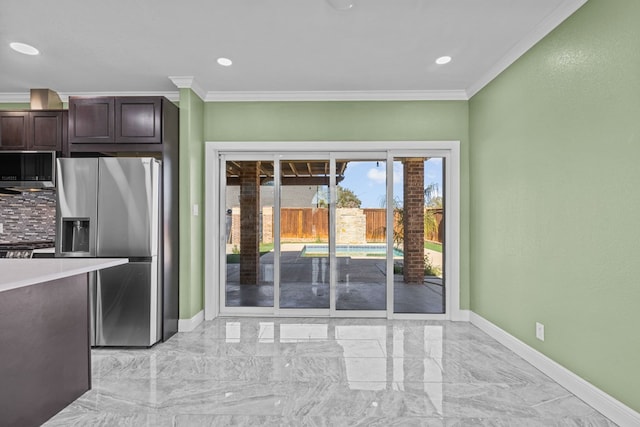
[[335, 233], [360, 233], [247, 228], [418, 235], [305, 263]]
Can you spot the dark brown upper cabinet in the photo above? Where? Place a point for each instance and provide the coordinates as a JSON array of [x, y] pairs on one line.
[[14, 130], [46, 130], [32, 130], [128, 123], [92, 120], [138, 120]]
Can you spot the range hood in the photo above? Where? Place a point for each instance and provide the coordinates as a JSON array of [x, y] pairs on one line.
[[45, 99], [27, 170]]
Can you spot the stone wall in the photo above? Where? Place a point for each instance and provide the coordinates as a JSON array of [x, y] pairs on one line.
[[267, 224], [351, 225], [29, 216]]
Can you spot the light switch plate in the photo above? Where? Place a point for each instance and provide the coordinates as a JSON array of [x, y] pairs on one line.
[[1, 228], [540, 331], [196, 210]]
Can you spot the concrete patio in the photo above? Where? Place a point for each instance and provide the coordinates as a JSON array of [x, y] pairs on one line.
[[361, 284]]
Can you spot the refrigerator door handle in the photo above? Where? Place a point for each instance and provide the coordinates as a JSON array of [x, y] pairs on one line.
[[156, 184]]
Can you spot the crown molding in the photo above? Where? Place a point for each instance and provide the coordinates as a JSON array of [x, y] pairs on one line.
[[555, 18], [188, 82], [245, 96], [11, 97], [381, 95], [171, 96]]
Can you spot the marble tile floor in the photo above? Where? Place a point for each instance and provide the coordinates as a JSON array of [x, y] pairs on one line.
[[323, 372]]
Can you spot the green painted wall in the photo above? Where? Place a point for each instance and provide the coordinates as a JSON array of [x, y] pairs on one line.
[[555, 143], [191, 189], [23, 106], [14, 106], [351, 121]]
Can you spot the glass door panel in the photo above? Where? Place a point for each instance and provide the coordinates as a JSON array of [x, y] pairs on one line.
[[418, 235], [304, 234], [360, 235], [320, 231], [248, 212]]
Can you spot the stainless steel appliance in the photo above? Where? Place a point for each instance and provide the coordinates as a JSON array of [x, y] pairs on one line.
[[27, 169], [15, 253], [110, 207], [24, 249]]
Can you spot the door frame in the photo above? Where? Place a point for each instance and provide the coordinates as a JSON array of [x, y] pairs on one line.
[[449, 150]]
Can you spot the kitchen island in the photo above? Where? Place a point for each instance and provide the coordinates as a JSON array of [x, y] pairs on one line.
[[45, 358]]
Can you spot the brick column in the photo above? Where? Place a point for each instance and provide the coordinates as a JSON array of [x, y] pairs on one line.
[[249, 222], [413, 220]]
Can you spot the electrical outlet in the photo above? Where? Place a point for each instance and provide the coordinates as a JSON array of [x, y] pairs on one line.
[[540, 331], [196, 209]]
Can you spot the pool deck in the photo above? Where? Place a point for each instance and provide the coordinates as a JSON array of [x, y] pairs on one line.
[[361, 284], [434, 256]]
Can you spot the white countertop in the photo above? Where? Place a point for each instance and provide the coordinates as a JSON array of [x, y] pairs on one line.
[[17, 273]]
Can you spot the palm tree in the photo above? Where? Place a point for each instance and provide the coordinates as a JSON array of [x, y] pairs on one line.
[[432, 197], [432, 201]]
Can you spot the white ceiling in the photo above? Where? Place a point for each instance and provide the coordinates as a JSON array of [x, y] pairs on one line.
[[281, 49]]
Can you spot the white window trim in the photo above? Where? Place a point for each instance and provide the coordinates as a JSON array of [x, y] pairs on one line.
[[450, 150]]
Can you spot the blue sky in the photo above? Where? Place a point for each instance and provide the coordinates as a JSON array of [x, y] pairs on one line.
[[367, 179]]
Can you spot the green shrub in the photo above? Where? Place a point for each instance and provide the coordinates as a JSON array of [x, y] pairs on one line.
[[429, 268]]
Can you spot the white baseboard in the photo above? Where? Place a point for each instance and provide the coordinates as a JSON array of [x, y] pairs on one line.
[[611, 408], [461, 315], [188, 325]]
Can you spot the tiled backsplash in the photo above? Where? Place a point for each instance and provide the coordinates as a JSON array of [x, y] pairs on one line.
[[29, 216]]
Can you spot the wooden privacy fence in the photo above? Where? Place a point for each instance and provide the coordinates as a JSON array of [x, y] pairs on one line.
[[304, 224], [436, 232], [376, 224], [312, 224]]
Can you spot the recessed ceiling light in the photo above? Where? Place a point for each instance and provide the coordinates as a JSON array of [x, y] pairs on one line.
[[225, 62], [341, 4], [443, 60], [24, 48]]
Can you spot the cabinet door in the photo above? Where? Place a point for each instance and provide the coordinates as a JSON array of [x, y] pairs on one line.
[[91, 120], [45, 131], [14, 130], [138, 120]]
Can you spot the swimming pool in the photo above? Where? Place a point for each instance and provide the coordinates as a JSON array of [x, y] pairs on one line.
[[368, 250]]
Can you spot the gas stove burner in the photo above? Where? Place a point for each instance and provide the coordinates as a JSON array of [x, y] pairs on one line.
[[23, 254], [27, 245], [23, 249]]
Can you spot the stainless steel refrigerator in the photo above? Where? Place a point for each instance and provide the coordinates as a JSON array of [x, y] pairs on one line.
[[110, 207]]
